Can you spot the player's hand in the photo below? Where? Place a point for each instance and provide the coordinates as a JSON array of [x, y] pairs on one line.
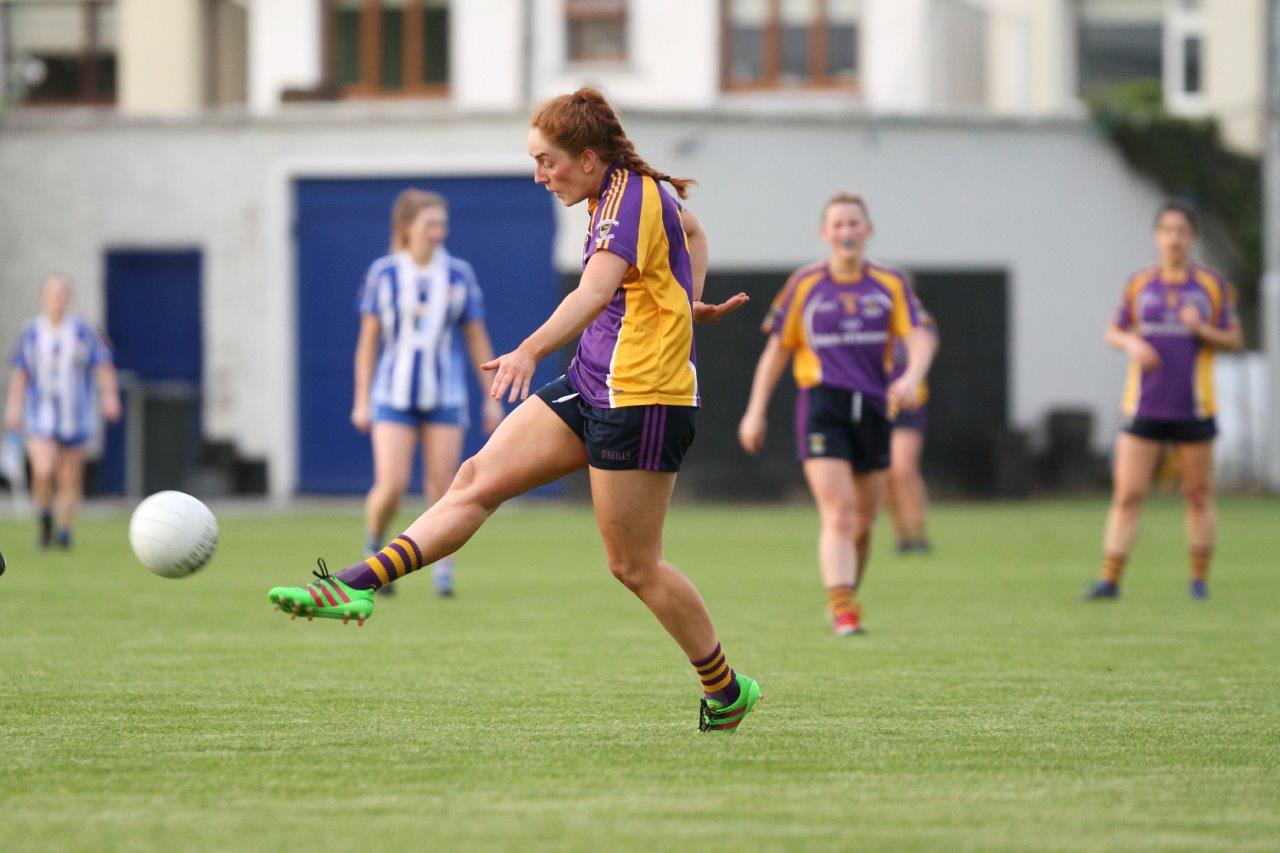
[[903, 395], [511, 373], [360, 417], [1144, 354], [704, 313], [1189, 316], [751, 430], [12, 417], [111, 409], [493, 415]]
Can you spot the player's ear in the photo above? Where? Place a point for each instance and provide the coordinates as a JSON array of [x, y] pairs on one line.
[[589, 160]]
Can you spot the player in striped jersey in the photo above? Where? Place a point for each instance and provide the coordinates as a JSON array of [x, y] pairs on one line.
[[421, 321], [837, 322], [625, 410], [1172, 318], [52, 399]]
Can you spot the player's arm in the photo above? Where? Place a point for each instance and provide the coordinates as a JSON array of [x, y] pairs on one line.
[[921, 347], [1132, 344], [13, 406], [600, 281], [480, 347], [1230, 338], [109, 390], [699, 257], [366, 360], [751, 429]]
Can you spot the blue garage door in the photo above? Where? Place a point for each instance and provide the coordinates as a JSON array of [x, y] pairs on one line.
[[154, 323], [504, 226]]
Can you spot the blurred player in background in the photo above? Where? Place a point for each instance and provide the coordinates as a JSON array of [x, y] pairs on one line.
[[905, 492], [1173, 317], [52, 400], [836, 322], [625, 410], [423, 308]]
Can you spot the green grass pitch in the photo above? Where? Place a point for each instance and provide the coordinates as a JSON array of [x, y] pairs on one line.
[[986, 709]]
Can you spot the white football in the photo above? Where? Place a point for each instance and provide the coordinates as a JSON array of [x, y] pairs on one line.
[[173, 534]]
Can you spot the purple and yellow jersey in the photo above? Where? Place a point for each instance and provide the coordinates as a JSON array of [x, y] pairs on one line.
[[1182, 387], [842, 330], [639, 351], [900, 354]]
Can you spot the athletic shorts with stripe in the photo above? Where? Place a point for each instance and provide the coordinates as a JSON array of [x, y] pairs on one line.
[[832, 423], [646, 438]]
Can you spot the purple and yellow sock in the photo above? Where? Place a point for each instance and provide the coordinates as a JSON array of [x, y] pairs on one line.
[[718, 680], [1200, 555], [400, 557], [1113, 567]]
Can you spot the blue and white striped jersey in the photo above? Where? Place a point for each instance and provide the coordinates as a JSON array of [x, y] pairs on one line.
[[423, 365], [59, 363]]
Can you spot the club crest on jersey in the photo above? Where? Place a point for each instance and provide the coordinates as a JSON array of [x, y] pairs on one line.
[[817, 444], [604, 229]]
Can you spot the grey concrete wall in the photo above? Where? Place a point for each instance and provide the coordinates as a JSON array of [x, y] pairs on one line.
[[1049, 202]]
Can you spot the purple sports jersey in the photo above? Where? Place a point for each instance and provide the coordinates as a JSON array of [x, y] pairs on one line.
[[842, 330], [1182, 387], [639, 350]]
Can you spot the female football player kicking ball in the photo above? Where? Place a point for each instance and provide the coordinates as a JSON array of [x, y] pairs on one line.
[[625, 409]]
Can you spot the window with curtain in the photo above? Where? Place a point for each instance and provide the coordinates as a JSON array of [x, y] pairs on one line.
[[596, 30], [388, 47], [59, 52], [771, 44]]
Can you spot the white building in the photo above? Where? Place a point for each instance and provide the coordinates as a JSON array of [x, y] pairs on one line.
[[153, 125]]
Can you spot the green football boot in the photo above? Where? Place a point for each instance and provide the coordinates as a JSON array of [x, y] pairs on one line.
[[714, 717], [326, 597]]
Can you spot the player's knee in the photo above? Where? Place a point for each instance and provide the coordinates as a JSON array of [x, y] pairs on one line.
[[631, 572], [862, 524], [1130, 500], [1199, 497], [476, 483]]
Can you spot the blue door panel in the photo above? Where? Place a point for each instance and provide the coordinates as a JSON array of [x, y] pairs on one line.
[[504, 226]]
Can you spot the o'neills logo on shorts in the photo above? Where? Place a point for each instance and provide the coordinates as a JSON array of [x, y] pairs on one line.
[[615, 455]]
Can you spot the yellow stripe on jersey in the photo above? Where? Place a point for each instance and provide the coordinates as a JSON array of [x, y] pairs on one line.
[[1213, 287], [780, 300], [1206, 405], [900, 316], [1139, 280], [805, 364], [655, 339], [1132, 389], [617, 187]]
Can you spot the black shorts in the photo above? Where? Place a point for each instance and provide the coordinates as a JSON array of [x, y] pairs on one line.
[[646, 438], [916, 419], [832, 423], [1179, 432]]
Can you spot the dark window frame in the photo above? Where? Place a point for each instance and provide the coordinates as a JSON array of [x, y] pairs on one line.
[[574, 14], [90, 52], [369, 53], [770, 79]]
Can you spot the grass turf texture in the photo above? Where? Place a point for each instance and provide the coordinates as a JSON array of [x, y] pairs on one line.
[[987, 708]]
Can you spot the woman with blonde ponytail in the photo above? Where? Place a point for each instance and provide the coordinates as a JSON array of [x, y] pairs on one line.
[[625, 409]]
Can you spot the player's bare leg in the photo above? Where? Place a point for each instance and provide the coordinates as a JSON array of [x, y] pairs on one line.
[[1132, 471], [393, 446], [868, 489], [441, 451], [70, 491], [631, 508], [905, 491], [831, 481], [1196, 461], [42, 453], [531, 447]]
